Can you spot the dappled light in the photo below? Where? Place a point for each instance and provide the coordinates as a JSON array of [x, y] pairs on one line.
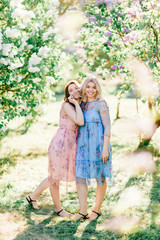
[[121, 224], [130, 197], [144, 81], [138, 163], [68, 25]]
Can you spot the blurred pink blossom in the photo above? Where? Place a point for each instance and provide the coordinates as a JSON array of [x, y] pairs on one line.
[[92, 18], [120, 224], [135, 10], [108, 33], [114, 66], [108, 43], [108, 21], [138, 163], [130, 37], [125, 30], [109, 3]]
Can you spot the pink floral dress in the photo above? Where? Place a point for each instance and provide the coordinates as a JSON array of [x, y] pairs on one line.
[[62, 150]]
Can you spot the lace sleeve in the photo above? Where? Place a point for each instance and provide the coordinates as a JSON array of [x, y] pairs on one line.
[[104, 112]]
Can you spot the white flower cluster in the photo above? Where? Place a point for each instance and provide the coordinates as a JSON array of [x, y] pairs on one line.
[[6, 48], [19, 78], [49, 32], [38, 25], [34, 60], [36, 80], [43, 51], [16, 3], [51, 79], [9, 50], [23, 14], [34, 92], [12, 33], [33, 69], [24, 39], [4, 61], [46, 69], [15, 65]]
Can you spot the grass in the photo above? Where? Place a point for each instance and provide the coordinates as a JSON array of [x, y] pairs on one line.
[[24, 164]]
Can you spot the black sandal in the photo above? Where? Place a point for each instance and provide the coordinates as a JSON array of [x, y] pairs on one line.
[[30, 201], [83, 216], [58, 213], [98, 214]]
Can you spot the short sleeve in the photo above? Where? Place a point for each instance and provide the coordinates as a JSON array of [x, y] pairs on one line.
[[105, 116]]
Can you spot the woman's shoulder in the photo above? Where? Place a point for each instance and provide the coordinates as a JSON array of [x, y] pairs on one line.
[[102, 101], [102, 104], [65, 103], [66, 106]]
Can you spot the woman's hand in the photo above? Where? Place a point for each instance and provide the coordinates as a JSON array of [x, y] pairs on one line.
[[104, 155], [72, 100]]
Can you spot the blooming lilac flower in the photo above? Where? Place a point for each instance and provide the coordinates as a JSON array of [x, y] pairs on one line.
[[108, 21], [108, 43], [119, 13], [135, 10], [121, 66], [130, 37], [82, 3], [109, 3], [92, 18], [114, 66], [108, 34], [120, 1], [125, 30], [98, 2]]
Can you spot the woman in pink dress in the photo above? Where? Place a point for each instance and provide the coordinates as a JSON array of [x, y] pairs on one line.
[[62, 149]]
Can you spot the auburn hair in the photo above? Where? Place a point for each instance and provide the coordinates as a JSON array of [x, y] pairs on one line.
[[66, 92]]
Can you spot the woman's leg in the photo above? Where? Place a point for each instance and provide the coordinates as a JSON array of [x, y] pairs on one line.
[[41, 187], [54, 190], [82, 191], [100, 193]]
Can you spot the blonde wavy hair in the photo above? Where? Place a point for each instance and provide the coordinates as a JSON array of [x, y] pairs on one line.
[[84, 85]]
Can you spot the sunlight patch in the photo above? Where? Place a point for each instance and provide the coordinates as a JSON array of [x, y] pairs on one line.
[[120, 224], [131, 197], [11, 225], [80, 229]]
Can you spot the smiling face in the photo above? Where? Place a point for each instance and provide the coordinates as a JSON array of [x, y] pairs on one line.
[[91, 91], [73, 91]]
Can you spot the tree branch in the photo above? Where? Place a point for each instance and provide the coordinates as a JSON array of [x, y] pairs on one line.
[[156, 37]]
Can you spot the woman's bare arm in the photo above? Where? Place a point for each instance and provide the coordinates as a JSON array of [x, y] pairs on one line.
[[75, 115]]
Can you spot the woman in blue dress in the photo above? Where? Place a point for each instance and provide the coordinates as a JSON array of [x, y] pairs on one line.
[[94, 153]]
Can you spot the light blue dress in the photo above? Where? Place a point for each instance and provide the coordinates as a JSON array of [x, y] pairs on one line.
[[89, 164]]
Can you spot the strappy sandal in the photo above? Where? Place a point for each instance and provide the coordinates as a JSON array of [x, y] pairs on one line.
[[30, 201], [83, 216], [58, 213], [98, 214]]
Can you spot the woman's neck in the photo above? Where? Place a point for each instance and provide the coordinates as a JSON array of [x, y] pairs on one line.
[[91, 99]]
